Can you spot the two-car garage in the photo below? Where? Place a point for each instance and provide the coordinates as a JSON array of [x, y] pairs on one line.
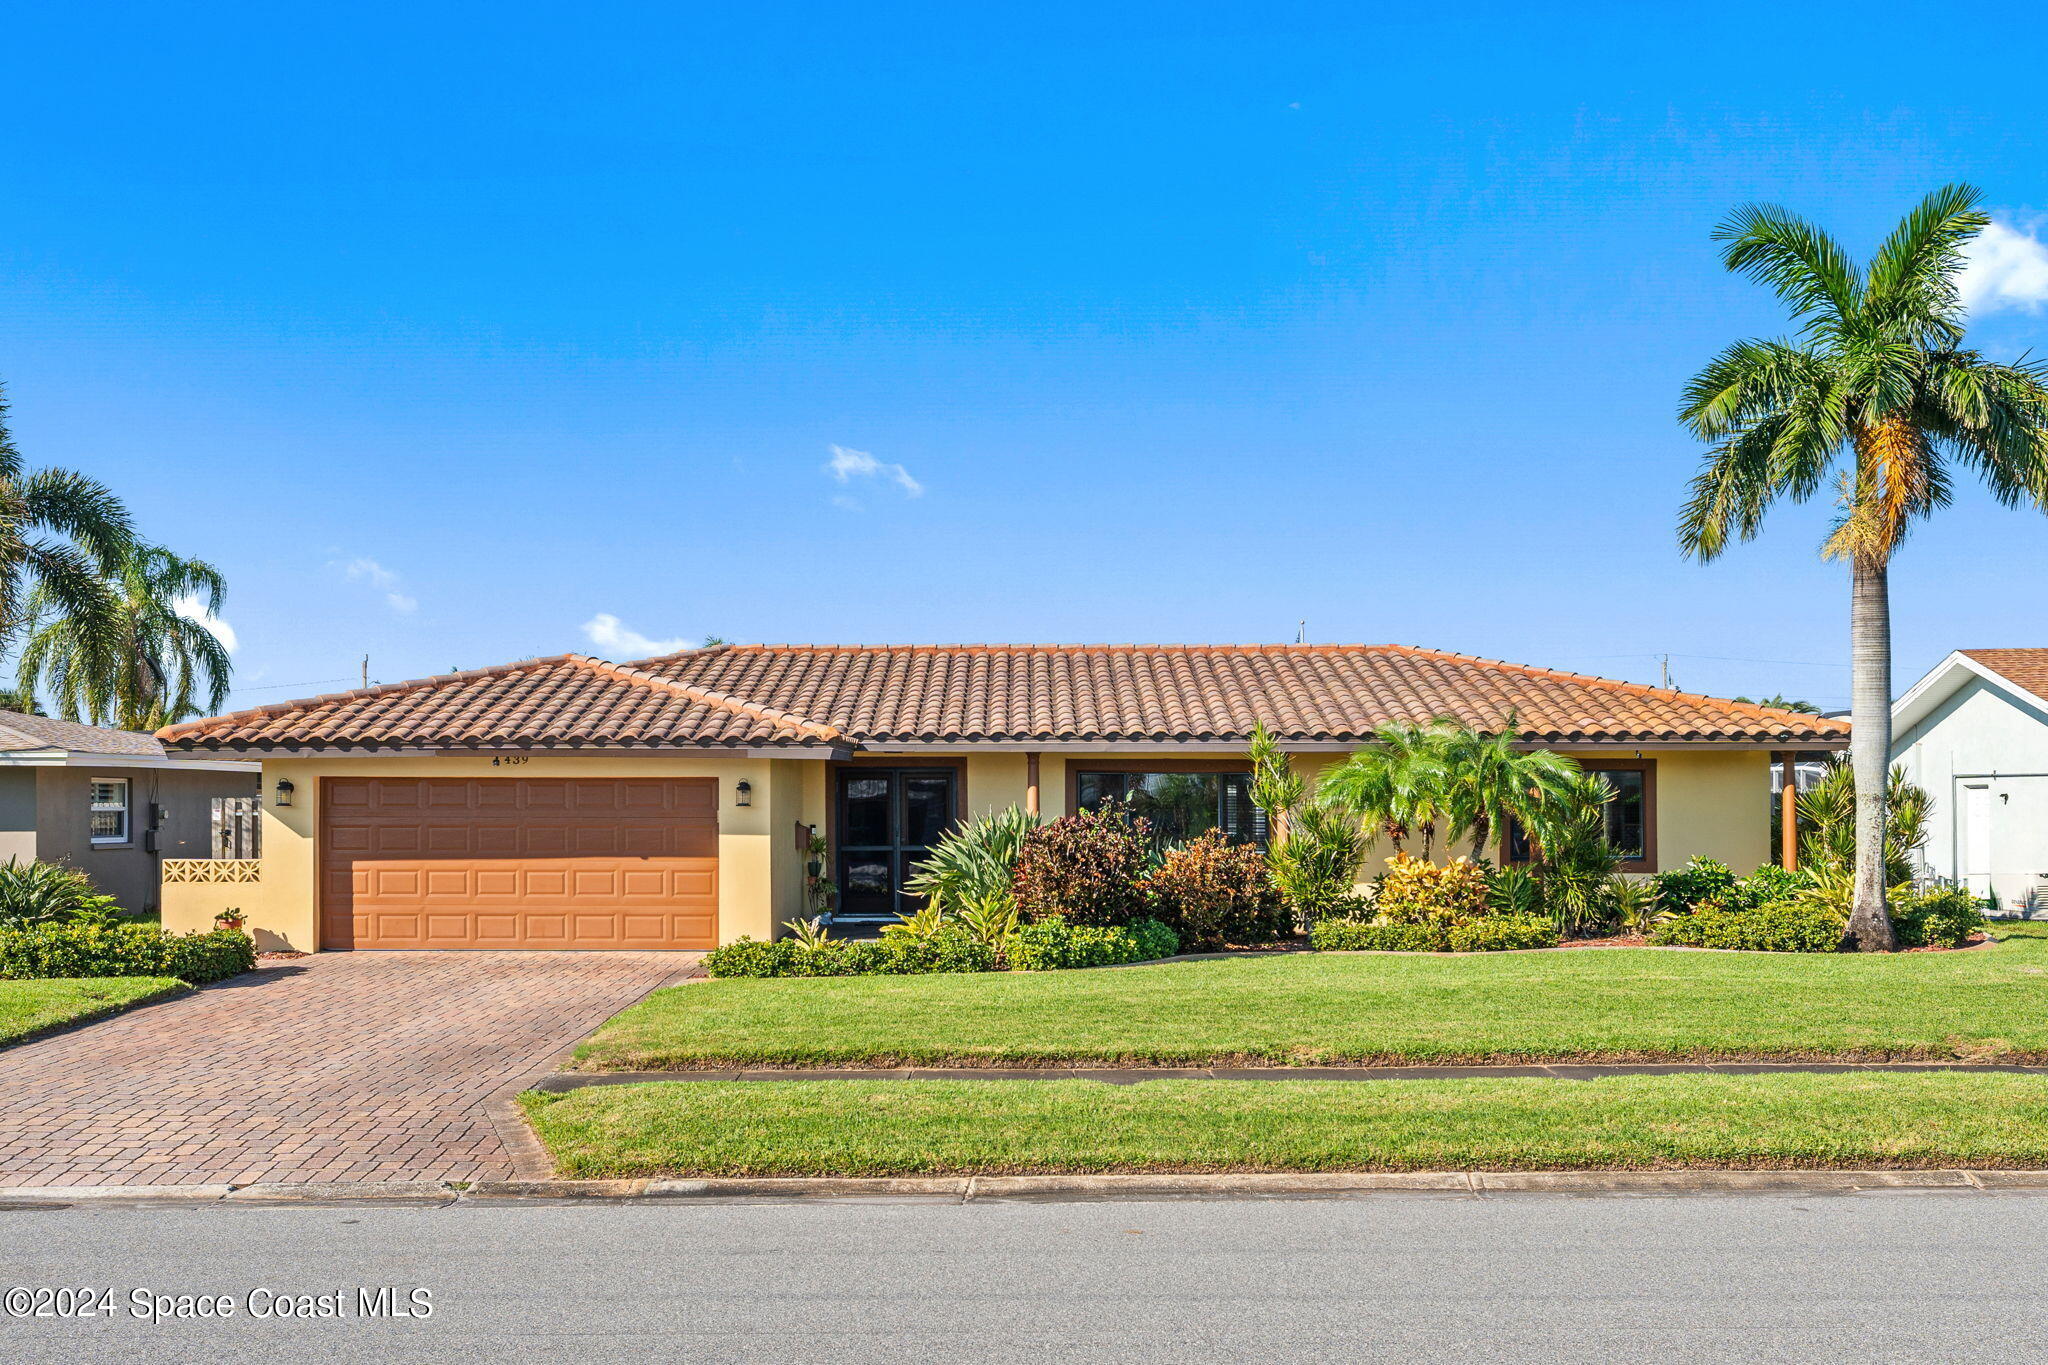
[[514, 862]]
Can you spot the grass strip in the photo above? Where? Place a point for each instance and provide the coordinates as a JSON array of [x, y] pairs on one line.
[[983, 1127], [1988, 1003], [29, 1008]]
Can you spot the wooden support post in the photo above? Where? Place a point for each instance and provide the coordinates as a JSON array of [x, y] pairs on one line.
[[1031, 783], [1788, 811]]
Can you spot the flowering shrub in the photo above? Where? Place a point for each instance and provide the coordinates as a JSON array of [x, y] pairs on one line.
[[1086, 868], [1214, 893]]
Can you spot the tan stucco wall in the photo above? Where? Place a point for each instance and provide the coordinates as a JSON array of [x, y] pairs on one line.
[[1707, 803], [759, 877]]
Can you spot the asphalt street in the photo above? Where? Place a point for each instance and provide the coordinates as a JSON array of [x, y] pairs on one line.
[[1895, 1276]]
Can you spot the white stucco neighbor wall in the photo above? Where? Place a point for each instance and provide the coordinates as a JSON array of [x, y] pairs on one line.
[[1982, 755]]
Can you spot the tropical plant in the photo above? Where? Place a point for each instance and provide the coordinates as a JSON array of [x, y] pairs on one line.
[[166, 663], [61, 536], [1878, 386], [21, 703], [975, 861], [1214, 893], [1416, 891], [1485, 781], [1829, 810], [1395, 784], [819, 889], [1578, 864], [1316, 866], [37, 892], [1087, 867], [1633, 902], [989, 918], [808, 932], [1314, 844], [923, 922], [1779, 702], [1514, 890], [1680, 889]]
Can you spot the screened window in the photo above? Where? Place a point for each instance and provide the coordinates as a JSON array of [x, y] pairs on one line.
[[109, 814], [1179, 805]]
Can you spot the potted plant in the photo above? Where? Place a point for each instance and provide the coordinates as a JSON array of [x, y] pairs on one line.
[[229, 919]]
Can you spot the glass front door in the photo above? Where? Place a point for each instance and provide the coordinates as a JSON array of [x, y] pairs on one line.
[[888, 818]]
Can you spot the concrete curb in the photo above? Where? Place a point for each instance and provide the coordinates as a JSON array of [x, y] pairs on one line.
[[562, 1082], [1030, 1188]]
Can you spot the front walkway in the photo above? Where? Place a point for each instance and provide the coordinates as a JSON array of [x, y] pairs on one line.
[[340, 1066]]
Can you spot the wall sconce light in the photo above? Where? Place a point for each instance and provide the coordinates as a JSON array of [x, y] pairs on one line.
[[743, 794], [284, 791]]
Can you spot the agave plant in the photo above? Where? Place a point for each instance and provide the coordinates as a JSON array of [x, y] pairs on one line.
[[973, 862]]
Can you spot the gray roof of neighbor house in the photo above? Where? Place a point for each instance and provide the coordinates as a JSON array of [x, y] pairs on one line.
[[844, 696], [20, 733]]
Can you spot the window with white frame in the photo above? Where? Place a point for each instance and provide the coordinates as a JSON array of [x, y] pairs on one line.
[[110, 810]]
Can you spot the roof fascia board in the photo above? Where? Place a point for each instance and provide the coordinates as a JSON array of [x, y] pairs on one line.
[[1941, 683], [820, 752], [1164, 747]]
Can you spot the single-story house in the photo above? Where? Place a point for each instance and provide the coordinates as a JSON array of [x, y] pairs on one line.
[[111, 803], [568, 802], [1974, 734]]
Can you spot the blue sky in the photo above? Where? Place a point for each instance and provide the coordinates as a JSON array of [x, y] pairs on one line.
[[453, 333]]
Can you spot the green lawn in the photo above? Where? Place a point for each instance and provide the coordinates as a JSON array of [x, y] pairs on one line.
[[29, 1007], [930, 1127], [1614, 1004]]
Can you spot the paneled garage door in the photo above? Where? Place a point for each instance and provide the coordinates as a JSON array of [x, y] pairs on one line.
[[450, 862]]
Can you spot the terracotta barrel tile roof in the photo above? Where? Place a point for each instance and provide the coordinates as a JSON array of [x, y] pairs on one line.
[[844, 695]]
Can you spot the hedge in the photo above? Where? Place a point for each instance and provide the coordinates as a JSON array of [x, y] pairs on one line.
[[1054, 944], [93, 949], [1781, 927], [1045, 946], [1501, 933], [1350, 935]]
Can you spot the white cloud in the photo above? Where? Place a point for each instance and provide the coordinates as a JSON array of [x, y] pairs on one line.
[[620, 641], [846, 464], [377, 576], [192, 609], [2004, 267]]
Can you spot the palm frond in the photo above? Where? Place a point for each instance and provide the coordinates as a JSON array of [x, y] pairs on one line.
[[1805, 266]]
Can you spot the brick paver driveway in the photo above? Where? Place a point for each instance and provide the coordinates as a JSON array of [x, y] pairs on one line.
[[341, 1066]]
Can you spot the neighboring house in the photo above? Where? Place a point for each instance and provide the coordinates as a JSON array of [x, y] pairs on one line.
[[572, 803], [1974, 733], [110, 803]]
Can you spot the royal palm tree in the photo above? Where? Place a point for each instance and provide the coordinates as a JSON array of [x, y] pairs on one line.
[[1877, 388], [61, 535], [165, 664]]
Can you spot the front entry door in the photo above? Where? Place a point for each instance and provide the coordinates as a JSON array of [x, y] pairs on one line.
[[888, 818]]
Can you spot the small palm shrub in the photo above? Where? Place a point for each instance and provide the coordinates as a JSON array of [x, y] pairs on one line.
[[1635, 904], [36, 892], [1514, 891], [1087, 868], [1828, 809], [1214, 893], [1578, 863]]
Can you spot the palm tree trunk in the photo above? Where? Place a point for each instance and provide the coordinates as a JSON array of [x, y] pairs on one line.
[[1870, 750], [1482, 831]]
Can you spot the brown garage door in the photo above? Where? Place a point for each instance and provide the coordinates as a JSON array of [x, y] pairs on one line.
[[451, 862]]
